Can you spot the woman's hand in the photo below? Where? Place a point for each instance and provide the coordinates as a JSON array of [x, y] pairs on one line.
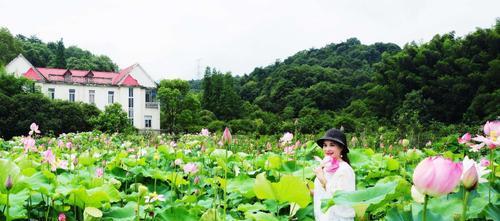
[[320, 174]]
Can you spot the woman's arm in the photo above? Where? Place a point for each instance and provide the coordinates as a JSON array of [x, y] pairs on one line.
[[320, 174]]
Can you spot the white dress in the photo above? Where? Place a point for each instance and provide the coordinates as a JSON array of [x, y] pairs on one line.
[[343, 179]]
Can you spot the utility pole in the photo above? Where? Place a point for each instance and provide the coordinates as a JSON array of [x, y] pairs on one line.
[[198, 66]]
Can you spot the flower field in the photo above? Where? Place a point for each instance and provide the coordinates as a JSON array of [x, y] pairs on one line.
[[206, 176]]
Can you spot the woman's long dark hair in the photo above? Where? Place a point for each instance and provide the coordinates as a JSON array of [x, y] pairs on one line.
[[343, 152]]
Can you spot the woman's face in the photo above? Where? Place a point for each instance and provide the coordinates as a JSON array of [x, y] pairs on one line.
[[331, 149]]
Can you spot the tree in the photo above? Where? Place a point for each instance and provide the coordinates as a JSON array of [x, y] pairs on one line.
[[11, 85], [9, 47], [59, 58], [38, 54], [113, 119], [180, 108], [220, 95]]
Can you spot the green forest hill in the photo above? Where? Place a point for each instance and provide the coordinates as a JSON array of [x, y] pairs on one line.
[[422, 89]]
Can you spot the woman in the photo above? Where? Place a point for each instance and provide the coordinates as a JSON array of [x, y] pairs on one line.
[[334, 174]]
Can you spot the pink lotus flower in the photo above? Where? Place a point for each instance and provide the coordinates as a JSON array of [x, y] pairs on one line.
[[492, 129], [34, 129], [492, 138], [289, 150], [74, 160], [286, 138], [99, 172], [173, 144], [152, 197], [330, 164], [226, 136], [190, 168], [60, 143], [196, 180], [29, 144], [61, 217], [436, 176], [485, 162], [491, 142], [205, 132], [464, 139], [297, 144], [69, 145], [48, 156], [59, 164]]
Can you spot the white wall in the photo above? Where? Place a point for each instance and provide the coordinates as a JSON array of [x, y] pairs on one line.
[[142, 77], [18, 66], [121, 95]]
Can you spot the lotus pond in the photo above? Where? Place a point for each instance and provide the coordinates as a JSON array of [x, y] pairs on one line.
[[95, 176]]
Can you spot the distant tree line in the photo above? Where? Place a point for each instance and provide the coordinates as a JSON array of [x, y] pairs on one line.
[[447, 81], [51, 54]]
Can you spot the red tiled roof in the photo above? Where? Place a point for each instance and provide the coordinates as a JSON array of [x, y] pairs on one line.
[[130, 81], [83, 76], [122, 74], [31, 74]]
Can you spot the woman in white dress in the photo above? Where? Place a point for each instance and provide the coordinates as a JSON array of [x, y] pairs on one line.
[[334, 174]]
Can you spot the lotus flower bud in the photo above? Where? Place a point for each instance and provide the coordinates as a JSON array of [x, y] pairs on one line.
[[8, 183], [226, 136], [143, 190], [470, 178]]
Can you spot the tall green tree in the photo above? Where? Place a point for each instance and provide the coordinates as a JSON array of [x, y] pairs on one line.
[[180, 108], [9, 47], [59, 58], [171, 94], [220, 95]]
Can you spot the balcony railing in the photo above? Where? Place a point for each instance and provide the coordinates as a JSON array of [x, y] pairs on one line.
[[152, 105]]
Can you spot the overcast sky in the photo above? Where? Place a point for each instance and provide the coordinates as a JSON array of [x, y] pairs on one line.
[[171, 39]]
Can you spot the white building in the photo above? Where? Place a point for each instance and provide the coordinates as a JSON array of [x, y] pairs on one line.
[[132, 87]]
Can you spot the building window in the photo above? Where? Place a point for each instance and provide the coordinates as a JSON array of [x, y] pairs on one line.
[[150, 95], [147, 121], [131, 105], [130, 102], [111, 97], [91, 96], [131, 115], [52, 92], [72, 95]]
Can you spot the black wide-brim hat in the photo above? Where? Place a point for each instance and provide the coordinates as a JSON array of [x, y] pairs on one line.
[[334, 135]]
